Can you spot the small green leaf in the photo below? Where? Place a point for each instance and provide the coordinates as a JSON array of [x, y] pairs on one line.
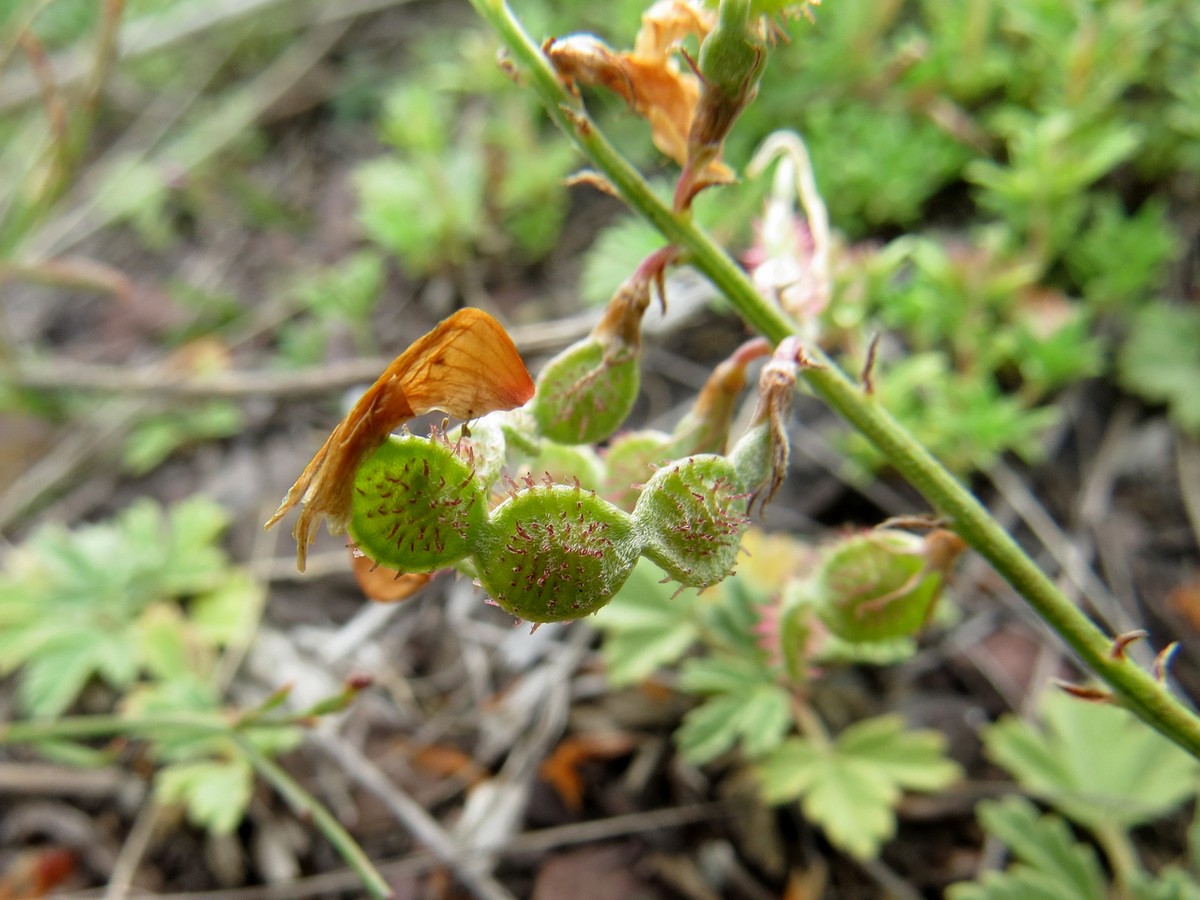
[[852, 802], [230, 611], [1095, 763], [214, 793], [1048, 863], [851, 786], [645, 626], [723, 675], [1161, 361], [1171, 884], [759, 717], [914, 760], [163, 644], [789, 772], [53, 678]]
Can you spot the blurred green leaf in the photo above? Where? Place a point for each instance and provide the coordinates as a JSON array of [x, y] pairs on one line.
[[215, 793], [646, 626], [95, 601], [757, 714], [1095, 763], [1160, 360], [851, 785], [1048, 863]]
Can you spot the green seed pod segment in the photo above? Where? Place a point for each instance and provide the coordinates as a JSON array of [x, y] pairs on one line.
[[585, 393], [417, 506], [554, 552], [876, 586], [693, 515], [630, 461]]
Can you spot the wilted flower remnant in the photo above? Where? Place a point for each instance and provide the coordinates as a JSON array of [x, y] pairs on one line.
[[791, 259], [651, 77]]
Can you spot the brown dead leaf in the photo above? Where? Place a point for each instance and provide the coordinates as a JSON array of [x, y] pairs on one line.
[[444, 761], [807, 884], [561, 768], [35, 873], [1185, 600], [650, 78]]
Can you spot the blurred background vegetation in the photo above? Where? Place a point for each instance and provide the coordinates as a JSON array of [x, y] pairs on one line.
[[212, 213]]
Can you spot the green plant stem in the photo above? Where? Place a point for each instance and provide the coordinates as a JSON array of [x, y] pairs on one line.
[[77, 728], [810, 724], [1122, 856], [304, 802], [82, 727], [1137, 689]]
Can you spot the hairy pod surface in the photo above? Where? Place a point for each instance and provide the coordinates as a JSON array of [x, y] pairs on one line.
[[556, 552], [876, 586], [417, 506], [483, 445], [754, 457], [586, 392], [693, 515]]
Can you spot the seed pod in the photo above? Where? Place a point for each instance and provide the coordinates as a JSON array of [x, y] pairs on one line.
[[555, 552], [629, 463], [705, 427], [753, 455], [586, 392], [417, 506], [731, 62], [790, 632], [693, 514], [881, 584], [761, 455]]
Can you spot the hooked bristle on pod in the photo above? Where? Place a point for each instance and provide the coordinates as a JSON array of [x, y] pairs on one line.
[[693, 516], [483, 442], [417, 505], [567, 464], [555, 552], [881, 584]]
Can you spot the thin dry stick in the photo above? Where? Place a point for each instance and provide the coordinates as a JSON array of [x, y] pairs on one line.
[[137, 842], [1066, 552], [530, 842], [154, 33], [415, 817], [63, 374], [53, 104], [237, 113]]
